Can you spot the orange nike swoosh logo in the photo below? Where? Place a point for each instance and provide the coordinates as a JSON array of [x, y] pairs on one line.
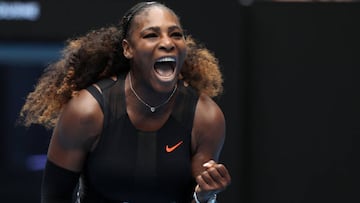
[[170, 149]]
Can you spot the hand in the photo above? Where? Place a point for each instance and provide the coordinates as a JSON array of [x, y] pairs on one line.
[[214, 179]]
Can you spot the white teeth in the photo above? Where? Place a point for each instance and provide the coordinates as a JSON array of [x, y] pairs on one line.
[[166, 59]]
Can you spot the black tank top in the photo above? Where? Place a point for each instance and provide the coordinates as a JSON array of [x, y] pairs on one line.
[[129, 165]]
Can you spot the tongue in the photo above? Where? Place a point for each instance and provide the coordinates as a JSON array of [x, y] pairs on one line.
[[164, 68]]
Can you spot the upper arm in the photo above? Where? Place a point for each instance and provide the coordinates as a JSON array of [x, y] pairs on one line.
[[208, 133], [78, 127]]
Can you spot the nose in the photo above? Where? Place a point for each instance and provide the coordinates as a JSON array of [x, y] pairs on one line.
[[167, 44]]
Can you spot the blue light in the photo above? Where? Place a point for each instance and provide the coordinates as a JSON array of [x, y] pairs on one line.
[[36, 162], [29, 53]]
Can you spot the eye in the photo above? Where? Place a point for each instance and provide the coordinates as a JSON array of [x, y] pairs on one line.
[[150, 35], [177, 34]]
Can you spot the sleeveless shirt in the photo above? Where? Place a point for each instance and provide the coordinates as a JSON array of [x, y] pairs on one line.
[[130, 165]]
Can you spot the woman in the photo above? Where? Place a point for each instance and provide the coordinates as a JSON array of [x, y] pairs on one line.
[[132, 114]]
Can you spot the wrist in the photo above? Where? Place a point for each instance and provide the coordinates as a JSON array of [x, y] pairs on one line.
[[211, 199]]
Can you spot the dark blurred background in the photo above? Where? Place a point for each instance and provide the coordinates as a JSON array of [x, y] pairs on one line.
[[291, 100]]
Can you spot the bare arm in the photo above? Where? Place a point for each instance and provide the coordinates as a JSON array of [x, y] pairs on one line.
[[79, 125], [77, 129], [207, 141]]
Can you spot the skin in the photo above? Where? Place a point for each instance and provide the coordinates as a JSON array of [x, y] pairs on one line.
[[154, 33]]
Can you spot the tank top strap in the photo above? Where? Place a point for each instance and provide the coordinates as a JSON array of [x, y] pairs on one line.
[[186, 101], [103, 85], [116, 98]]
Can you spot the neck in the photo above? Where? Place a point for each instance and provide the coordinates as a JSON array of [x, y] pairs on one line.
[[149, 105]]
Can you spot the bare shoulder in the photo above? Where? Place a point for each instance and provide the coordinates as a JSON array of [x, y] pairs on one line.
[[208, 114], [208, 111], [77, 129], [81, 119]]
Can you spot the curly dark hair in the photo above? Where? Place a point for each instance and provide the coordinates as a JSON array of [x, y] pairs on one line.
[[99, 54]]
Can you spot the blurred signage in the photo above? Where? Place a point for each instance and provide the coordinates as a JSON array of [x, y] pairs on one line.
[[19, 10], [56, 20]]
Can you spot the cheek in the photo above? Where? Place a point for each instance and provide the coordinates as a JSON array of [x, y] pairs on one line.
[[143, 52], [183, 53]]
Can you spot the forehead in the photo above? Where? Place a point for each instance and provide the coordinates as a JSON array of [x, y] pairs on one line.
[[156, 16]]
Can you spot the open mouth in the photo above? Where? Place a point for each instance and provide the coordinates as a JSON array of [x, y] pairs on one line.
[[165, 66]]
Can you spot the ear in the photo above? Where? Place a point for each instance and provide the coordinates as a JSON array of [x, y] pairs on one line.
[[127, 51]]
